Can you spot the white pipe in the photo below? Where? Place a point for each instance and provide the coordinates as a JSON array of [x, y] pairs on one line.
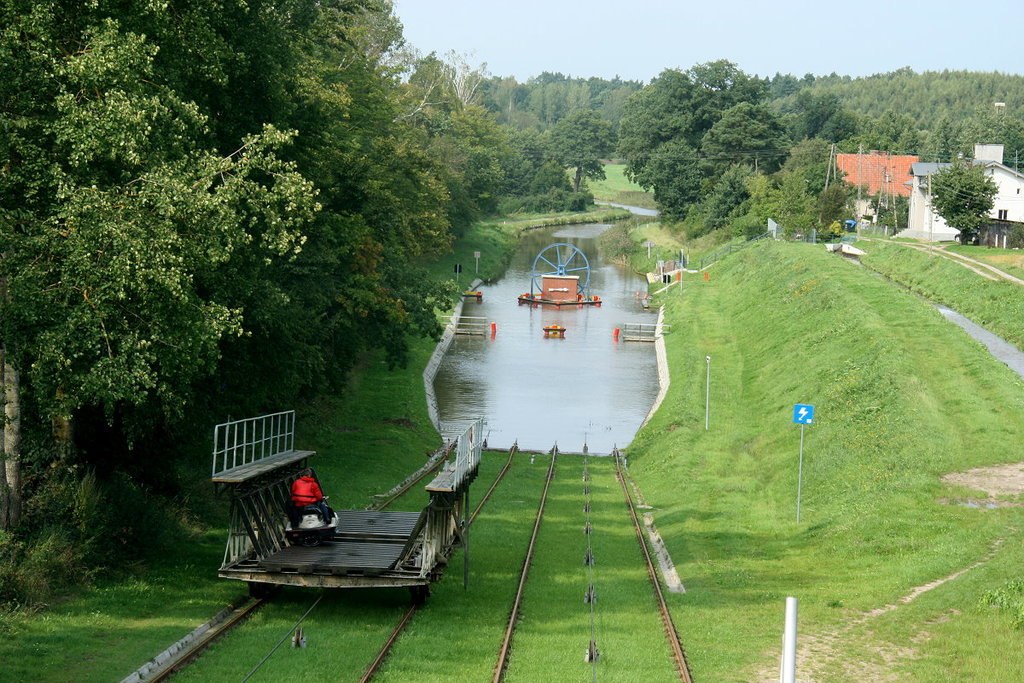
[[788, 673]]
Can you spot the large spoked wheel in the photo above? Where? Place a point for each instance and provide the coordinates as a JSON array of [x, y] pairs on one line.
[[561, 259]]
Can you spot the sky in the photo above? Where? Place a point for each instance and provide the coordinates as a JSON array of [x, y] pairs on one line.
[[638, 39]]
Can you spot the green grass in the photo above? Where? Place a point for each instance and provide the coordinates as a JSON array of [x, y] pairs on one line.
[[902, 397], [995, 305], [619, 189], [1009, 260], [115, 627], [555, 627]]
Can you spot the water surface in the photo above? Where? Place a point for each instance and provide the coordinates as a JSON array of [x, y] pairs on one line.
[[586, 389]]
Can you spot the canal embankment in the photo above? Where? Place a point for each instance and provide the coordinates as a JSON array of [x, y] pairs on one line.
[[902, 398]]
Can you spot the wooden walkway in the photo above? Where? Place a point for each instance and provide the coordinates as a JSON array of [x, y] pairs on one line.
[[363, 559]]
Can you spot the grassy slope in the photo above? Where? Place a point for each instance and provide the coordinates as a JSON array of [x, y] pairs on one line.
[[996, 305], [902, 397], [619, 189]]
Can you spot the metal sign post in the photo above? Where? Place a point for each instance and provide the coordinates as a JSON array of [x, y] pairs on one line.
[[476, 255], [803, 415]]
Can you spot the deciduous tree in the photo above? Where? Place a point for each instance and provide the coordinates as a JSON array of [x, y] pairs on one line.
[[963, 195], [580, 141]]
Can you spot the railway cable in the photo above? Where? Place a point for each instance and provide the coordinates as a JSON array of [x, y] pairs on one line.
[[593, 654], [284, 638], [678, 654], [506, 644]]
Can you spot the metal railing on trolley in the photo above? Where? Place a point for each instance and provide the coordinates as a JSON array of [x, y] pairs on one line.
[[241, 442]]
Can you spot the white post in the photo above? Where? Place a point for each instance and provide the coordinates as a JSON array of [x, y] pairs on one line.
[[788, 673], [707, 396]]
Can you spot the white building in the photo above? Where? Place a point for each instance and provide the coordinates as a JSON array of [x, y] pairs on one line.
[[1007, 205]]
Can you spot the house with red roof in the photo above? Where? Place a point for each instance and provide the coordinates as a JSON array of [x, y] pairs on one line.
[[878, 171]]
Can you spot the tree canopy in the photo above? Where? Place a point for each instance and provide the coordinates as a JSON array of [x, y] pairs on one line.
[[962, 195]]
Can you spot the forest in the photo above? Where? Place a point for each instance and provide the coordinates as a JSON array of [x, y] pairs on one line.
[[187, 191]]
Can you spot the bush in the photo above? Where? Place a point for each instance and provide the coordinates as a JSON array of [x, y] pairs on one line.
[[1015, 240], [615, 243], [748, 227], [75, 528]]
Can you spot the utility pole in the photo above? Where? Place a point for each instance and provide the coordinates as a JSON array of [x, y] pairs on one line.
[[929, 209], [860, 180], [828, 169], [707, 397]]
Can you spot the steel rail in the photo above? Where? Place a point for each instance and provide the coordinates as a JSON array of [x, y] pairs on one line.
[[374, 667], [506, 643], [497, 480], [183, 657], [678, 654], [412, 482]]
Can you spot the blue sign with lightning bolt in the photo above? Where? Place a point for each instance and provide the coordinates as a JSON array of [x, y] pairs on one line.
[[803, 414]]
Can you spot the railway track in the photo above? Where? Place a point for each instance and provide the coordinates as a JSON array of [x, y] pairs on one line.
[[506, 643], [678, 653], [182, 653], [189, 652], [497, 480], [404, 487], [407, 617]]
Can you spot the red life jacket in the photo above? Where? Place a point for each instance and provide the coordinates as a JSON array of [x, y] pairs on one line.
[[305, 491]]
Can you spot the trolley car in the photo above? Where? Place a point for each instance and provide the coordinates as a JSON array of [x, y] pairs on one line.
[[254, 463]]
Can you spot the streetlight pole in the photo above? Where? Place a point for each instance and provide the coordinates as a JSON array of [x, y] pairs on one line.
[[707, 396]]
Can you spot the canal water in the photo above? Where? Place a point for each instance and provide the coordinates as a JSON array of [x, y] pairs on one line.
[[586, 390]]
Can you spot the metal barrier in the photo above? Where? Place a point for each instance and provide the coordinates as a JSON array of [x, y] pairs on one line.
[[468, 324], [447, 511], [648, 332], [241, 442], [467, 451]]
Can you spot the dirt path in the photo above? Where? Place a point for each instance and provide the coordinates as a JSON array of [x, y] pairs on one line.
[[820, 654]]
